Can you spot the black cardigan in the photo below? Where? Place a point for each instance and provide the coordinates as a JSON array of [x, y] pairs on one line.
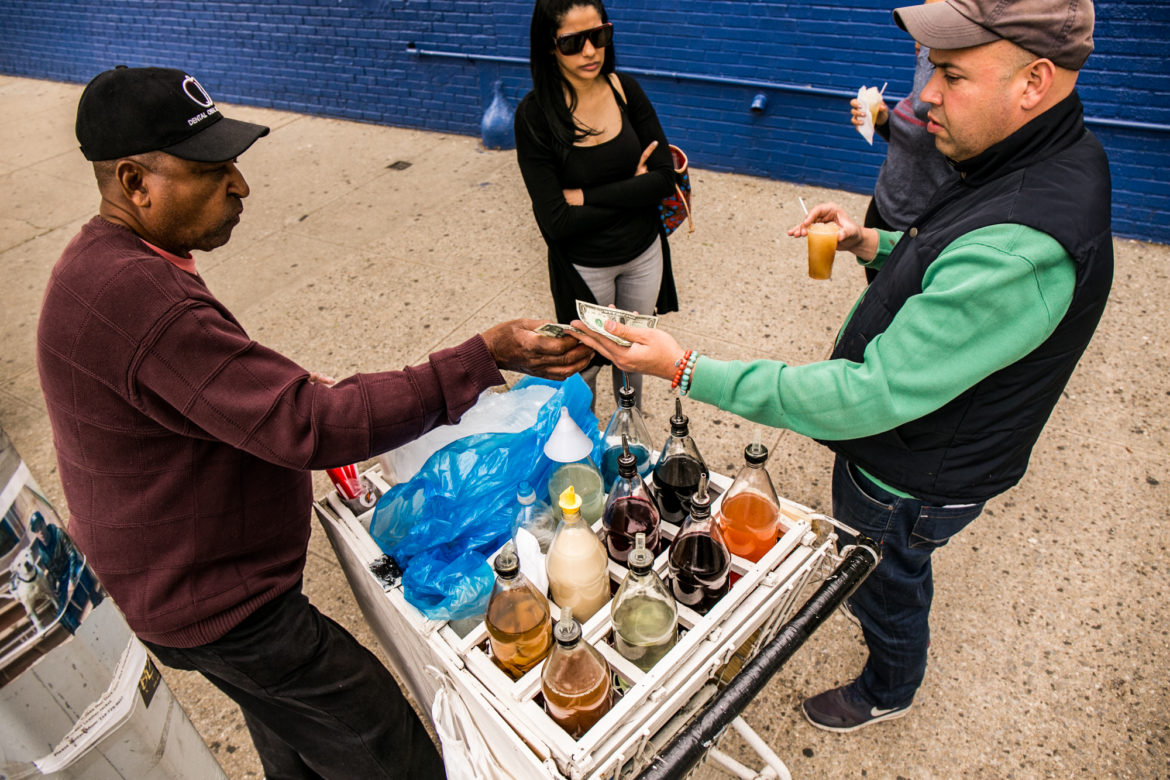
[[542, 163]]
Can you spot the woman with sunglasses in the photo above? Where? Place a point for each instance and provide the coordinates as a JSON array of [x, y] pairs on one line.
[[596, 165]]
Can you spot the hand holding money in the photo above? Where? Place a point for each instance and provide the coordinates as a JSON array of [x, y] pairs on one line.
[[555, 329], [651, 351], [515, 345], [595, 317]]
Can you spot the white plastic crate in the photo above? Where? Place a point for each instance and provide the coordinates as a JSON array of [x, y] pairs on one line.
[[427, 655]]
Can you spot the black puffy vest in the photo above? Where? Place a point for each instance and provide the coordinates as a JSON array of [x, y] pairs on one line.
[[1051, 175]]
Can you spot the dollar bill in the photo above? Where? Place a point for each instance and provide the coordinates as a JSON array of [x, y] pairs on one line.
[[596, 316], [555, 329]]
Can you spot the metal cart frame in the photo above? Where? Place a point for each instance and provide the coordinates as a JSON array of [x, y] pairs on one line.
[[668, 718]]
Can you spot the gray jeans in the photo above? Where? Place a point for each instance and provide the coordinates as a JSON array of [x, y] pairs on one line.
[[632, 286]]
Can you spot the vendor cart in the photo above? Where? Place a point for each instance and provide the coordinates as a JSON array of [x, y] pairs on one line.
[[665, 720]]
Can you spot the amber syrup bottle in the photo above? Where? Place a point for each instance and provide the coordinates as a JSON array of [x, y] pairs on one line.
[[575, 680], [518, 618]]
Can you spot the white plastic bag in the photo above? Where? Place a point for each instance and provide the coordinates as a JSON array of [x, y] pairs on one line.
[[494, 412], [466, 754]]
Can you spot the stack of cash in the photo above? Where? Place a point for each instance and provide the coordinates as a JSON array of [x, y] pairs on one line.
[[595, 317]]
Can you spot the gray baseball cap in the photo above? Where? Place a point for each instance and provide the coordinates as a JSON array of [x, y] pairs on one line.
[[1060, 30]]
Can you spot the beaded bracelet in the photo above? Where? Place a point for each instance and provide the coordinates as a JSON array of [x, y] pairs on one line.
[[681, 364], [684, 384]]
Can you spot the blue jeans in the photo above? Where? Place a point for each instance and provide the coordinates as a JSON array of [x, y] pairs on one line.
[[317, 703], [893, 603]]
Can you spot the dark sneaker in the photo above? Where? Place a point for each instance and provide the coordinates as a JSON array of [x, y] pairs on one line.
[[844, 709]]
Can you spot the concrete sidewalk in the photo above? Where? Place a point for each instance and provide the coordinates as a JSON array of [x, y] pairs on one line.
[[1049, 628]]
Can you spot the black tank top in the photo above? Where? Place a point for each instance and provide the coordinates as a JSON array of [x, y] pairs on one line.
[[631, 230]]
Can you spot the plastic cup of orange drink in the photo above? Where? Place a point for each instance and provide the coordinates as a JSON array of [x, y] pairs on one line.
[[822, 246]]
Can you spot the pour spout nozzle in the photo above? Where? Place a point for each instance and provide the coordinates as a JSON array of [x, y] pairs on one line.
[[569, 500]]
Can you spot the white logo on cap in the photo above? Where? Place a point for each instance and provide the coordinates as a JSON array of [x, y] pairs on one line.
[[196, 92]]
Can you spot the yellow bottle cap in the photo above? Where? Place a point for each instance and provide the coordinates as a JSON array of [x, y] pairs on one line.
[[570, 501]]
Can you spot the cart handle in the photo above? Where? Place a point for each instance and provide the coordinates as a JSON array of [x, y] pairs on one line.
[[689, 746]]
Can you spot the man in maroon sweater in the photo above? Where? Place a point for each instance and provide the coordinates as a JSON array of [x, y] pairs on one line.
[[185, 447]]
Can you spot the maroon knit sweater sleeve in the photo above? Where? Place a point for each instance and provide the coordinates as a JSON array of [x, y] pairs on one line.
[[182, 444], [199, 373]]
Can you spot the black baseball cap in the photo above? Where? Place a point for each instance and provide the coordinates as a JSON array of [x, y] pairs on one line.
[[126, 111]]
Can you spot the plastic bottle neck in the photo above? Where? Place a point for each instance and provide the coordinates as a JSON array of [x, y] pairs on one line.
[[755, 455], [640, 572], [627, 467], [701, 503]]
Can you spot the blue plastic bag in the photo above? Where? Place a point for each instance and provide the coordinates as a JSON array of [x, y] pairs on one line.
[[442, 524]]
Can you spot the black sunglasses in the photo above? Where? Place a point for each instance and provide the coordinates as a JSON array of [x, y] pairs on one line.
[[573, 43]]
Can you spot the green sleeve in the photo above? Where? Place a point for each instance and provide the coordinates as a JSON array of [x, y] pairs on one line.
[[990, 298], [886, 241]]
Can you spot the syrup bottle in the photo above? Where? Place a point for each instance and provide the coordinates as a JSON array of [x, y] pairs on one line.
[[700, 564], [534, 516], [626, 422], [518, 618], [676, 476], [645, 618], [569, 446], [749, 516], [575, 680], [578, 568], [630, 509]]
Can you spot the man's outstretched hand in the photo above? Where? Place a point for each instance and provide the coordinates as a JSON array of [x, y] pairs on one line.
[[516, 348]]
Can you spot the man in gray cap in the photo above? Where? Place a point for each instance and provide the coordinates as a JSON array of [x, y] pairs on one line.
[[952, 360], [981, 312], [185, 447]]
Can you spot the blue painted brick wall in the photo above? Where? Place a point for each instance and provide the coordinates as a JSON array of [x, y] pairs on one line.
[[350, 58]]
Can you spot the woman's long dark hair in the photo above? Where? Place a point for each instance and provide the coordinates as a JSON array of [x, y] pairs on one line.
[[548, 83]]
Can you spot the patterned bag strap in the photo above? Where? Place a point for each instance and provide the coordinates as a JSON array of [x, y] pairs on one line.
[[675, 154], [686, 203]]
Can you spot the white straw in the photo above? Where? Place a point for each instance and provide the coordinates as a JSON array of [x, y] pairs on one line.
[[882, 91], [802, 205]]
